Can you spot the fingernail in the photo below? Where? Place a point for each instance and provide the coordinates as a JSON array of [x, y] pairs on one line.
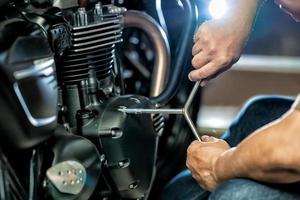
[[190, 77], [203, 137]]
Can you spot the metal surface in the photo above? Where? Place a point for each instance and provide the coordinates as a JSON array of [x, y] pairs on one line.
[[64, 4], [41, 67], [37, 122], [179, 111], [184, 47], [168, 111], [80, 17], [94, 34], [160, 43], [68, 177]]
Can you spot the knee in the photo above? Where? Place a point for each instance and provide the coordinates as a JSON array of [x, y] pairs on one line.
[[182, 187], [262, 105], [261, 110], [235, 189]]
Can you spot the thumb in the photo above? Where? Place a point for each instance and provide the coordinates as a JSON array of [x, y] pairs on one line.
[[206, 138]]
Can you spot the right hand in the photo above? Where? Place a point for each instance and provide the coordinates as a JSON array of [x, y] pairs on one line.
[[218, 45]]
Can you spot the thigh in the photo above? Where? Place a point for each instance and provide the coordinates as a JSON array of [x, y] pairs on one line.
[[184, 187], [256, 113], [244, 189]]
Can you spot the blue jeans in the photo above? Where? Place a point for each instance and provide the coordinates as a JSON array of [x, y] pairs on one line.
[[256, 113]]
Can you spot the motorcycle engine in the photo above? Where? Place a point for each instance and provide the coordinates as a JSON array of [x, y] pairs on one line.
[[90, 100], [83, 38]]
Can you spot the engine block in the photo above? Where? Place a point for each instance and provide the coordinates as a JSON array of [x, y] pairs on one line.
[[94, 33]]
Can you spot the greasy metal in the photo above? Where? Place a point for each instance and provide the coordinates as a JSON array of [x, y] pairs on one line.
[[160, 44], [68, 177], [178, 111]]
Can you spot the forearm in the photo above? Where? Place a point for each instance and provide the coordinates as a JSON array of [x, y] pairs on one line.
[[270, 154], [243, 11]]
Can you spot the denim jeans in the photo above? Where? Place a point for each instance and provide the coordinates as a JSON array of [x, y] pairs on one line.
[[256, 113]]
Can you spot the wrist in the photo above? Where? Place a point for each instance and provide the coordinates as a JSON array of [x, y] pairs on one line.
[[224, 168]]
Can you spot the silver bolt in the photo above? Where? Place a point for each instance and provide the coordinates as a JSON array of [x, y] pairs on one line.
[[131, 186]]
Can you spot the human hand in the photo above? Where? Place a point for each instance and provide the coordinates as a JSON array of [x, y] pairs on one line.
[[202, 158], [218, 45]]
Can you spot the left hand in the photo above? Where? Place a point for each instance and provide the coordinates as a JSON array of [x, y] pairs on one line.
[[201, 160]]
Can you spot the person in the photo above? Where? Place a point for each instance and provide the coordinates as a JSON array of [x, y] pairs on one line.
[[258, 157]]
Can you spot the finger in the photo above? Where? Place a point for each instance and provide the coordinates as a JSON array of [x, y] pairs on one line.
[[213, 139], [189, 165], [200, 32], [195, 142], [205, 138], [197, 48], [200, 60], [204, 72], [196, 37], [192, 147]]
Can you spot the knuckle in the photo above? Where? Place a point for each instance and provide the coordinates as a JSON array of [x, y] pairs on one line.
[[200, 32], [212, 50], [190, 150], [194, 50], [235, 57], [194, 142], [204, 39], [196, 75], [224, 60], [194, 62]]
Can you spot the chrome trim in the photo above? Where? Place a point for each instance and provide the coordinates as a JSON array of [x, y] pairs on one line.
[[171, 111], [68, 177], [37, 122], [40, 67], [160, 43]]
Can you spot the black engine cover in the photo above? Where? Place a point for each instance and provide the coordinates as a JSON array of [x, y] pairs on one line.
[[131, 157], [131, 154], [28, 97]]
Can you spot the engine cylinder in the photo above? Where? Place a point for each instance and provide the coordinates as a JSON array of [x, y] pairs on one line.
[[94, 34]]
